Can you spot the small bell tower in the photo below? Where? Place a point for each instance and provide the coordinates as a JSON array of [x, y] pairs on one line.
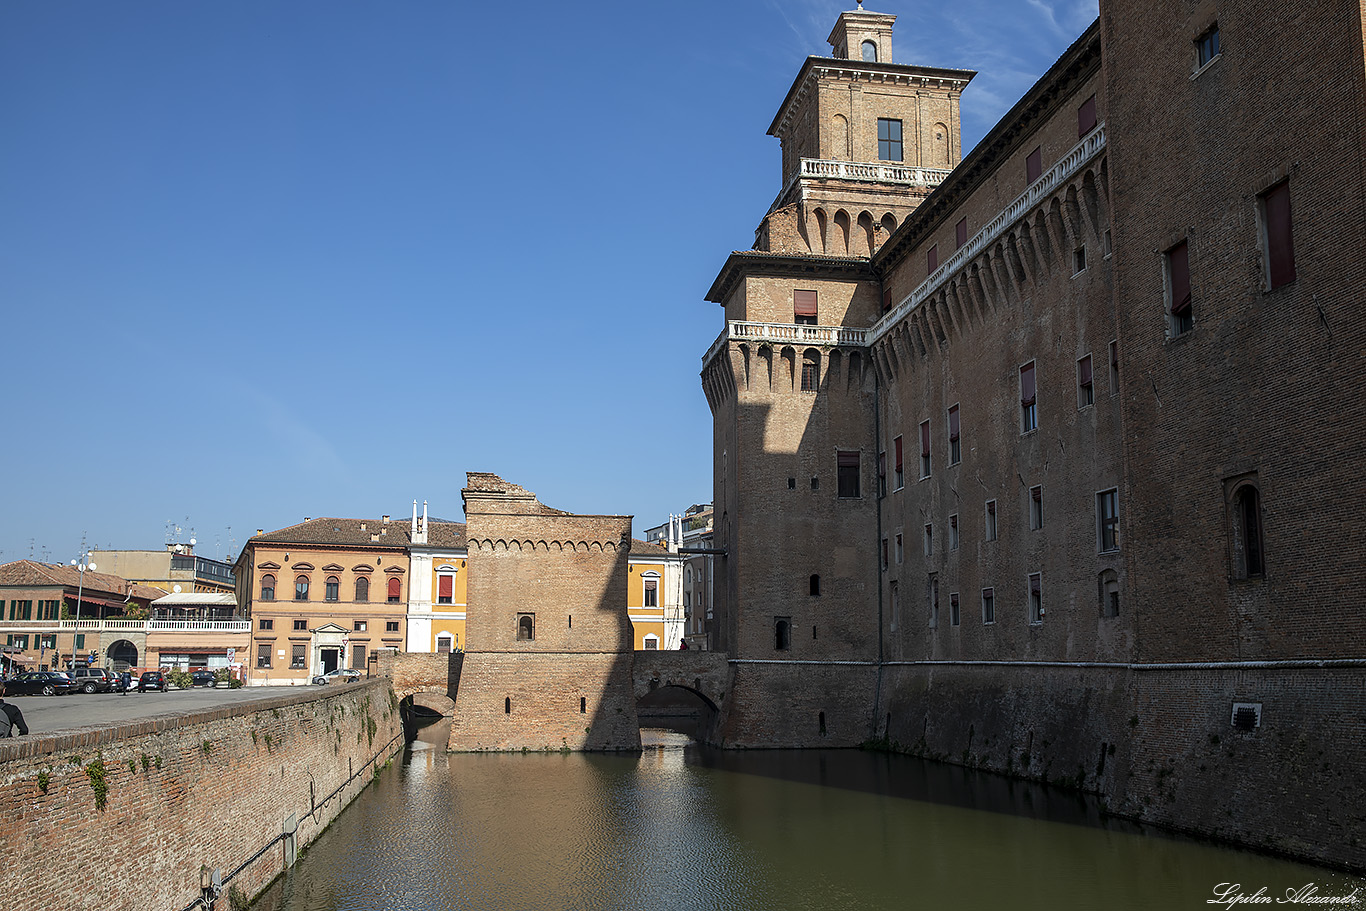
[[862, 35]]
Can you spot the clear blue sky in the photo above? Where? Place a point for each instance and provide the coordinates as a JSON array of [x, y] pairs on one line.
[[261, 260]]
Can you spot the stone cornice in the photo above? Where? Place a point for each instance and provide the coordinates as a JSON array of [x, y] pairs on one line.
[[756, 262], [816, 69]]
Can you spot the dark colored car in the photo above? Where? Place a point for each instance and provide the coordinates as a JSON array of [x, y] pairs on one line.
[[152, 680], [204, 678], [122, 683], [92, 679], [46, 683]]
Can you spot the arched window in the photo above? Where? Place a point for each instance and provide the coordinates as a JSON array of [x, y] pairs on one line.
[[782, 633], [815, 585], [526, 627], [395, 589], [687, 574], [869, 52], [811, 371], [652, 643], [333, 591], [268, 587], [362, 589], [1248, 557], [301, 588]]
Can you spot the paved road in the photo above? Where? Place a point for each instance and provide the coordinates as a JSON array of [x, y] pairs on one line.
[[46, 714]]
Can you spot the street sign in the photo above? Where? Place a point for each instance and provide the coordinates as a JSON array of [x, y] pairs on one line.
[[232, 653]]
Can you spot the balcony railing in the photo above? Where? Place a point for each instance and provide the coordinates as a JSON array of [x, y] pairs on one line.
[[129, 626], [878, 173], [777, 333]]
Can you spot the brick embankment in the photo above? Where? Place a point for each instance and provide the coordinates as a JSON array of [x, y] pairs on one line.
[[124, 817]]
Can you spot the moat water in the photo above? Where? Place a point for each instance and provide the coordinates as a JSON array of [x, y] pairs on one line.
[[682, 827]]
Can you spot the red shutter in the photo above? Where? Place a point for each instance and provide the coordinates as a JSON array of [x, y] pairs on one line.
[[932, 259], [1280, 248], [960, 232], [953, 423], [1034, 165], [444, 589], [804, 303], [1086, 117], [394, 589], [925, 438], [1178, 265], [1027, 390], [897, 444]]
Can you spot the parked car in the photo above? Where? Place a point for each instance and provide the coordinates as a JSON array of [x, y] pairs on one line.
[[122, 682], [152, 680], [47, 683], [92, 679], [340, 675], [204, 678]]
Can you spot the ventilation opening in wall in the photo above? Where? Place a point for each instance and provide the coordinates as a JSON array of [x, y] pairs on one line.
[[583, 705], [507, 706], [822, 721], [1247, 716]]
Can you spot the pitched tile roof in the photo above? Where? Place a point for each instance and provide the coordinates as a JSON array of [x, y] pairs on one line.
[[361, 533], [33, 573]]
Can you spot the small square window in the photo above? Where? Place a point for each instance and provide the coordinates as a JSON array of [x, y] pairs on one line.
[[300, 625], [360, 626], [1035, 508], [953, 532], [815, 483], [990, 533], [267, 624], [1086, 388], [391, 626]]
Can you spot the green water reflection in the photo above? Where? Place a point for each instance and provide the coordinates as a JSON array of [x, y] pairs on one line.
[[684, 828]]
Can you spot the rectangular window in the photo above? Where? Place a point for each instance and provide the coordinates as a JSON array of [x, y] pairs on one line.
[[882, 474], [1086, 388], [391, 626], [954, 618], [884, 553], [445, 588], [932, 259], [80, 640], [899, 465], [1207, 47], [651, 593], [48, 641], [924, 449], [358, 657], [1086, 117], [300, 625], [988, 605], [955, 448], [1278, 247], [263, 654], [1035, 598], [298, 657], [933, 593], [888, 139], [804, 307], [960, 232], [1034, 165], [929, 540], [953, 532], [900, 551], [1107, 520], [1079, 260], [1029, 413], [1035, 508], [886, 301], [990, 533], [1114, 368], [266, 624], [809, 375], [360, 626], [1181, 317], [847, 466], [896, 607]]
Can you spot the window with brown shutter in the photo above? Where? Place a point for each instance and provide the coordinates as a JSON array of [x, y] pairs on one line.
[[1179, 288], [1034, 165], [804, 307], [960, 232], [1279, 244], [932, 259], [1086, 390], [1086, 117]]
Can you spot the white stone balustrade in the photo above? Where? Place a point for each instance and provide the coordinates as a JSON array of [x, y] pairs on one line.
[[131, 626], [786, 333], [879, 173]]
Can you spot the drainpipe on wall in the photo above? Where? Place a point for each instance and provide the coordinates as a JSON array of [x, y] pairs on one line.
[[877, 541]]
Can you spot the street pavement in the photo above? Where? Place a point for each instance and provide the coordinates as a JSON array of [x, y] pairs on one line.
[[49, 714]]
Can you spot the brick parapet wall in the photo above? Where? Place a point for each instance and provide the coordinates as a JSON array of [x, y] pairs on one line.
[[198, 789]]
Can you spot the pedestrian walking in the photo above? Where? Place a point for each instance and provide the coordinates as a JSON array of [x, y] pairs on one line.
[[10, 717]]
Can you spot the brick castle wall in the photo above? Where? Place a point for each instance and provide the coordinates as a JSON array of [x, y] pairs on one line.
[[180, 792]]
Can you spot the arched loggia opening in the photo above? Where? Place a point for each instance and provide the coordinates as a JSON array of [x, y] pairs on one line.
[[673, 715]]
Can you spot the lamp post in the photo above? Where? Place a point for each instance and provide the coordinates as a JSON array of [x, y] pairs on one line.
[[83, 565]]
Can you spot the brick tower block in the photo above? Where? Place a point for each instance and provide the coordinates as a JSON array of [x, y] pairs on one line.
[[549, 649]]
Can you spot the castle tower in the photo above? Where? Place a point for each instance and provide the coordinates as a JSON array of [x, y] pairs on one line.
[[549, 655], [864, 141]]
